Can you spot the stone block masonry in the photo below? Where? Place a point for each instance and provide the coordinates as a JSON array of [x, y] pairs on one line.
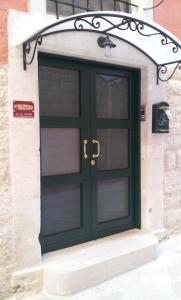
[[172, 166], [6, 215], [6, 208]]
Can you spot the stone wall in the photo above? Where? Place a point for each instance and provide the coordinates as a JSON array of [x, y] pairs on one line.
[[172, 171], [6, 205], [6, 219]]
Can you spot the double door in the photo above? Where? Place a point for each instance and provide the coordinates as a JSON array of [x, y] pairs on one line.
[[89, 122]]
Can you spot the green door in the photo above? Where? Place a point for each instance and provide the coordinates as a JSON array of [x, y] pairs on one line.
[[89, 122]]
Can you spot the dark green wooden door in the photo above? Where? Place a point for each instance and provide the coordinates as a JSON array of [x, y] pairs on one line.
[[89, 121]]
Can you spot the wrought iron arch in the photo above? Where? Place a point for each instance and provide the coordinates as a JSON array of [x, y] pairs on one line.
[[113, 24]]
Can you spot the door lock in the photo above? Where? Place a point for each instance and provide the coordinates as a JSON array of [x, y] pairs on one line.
[[93, 162]]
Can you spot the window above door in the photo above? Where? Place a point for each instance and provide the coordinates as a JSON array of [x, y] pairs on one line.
[[72, 7]]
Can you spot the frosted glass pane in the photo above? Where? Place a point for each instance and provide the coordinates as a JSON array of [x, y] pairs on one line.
[[60, 151], [59, 92], [111, 96], [112, 199], [60, 208], [114, 149]]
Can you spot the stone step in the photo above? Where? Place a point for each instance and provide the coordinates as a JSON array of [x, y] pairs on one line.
[[73, 269]]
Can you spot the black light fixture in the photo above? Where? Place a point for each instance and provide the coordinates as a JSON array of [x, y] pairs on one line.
[[106, 43]]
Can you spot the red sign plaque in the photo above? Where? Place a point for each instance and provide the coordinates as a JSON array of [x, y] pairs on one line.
[[23, 109]]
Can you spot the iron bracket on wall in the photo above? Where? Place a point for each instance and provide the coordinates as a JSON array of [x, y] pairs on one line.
[[164, 74], [111, 23]]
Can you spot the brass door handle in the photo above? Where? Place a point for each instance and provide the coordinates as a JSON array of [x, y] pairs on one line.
[[95, 155], [85, 148]]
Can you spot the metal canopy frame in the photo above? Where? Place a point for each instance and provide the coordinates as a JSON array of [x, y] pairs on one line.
[[111, 24]]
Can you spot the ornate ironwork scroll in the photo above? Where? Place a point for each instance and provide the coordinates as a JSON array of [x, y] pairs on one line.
[[30, 48], [166, 71], [112, 24]]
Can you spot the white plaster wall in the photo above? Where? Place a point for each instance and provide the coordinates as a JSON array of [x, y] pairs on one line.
[[148, 13], [37, 7]]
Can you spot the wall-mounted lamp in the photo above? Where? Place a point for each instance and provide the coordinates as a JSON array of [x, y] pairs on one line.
[[107, 44]]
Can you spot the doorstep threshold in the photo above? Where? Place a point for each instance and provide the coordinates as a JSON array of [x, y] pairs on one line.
[[73, 269]]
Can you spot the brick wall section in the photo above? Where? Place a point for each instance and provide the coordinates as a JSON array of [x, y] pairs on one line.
[[21, 5], [3, 37], [6, 209], [168, 15], [172, 174]]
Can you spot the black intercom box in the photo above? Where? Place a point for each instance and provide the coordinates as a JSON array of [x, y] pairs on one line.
[[160, 120]]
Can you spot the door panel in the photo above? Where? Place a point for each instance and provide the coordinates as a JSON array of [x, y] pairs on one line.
[[89, 151], [64, 121], [112, 127], [63, 202], [60, 92], [60, 151], [111, 96], [114, 148], [112, 199]]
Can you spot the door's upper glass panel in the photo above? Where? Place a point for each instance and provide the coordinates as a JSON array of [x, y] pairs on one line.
[[59, 92], [72, 7], [111, 96]]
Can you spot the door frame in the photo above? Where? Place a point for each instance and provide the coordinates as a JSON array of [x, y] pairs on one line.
[[53, 243]]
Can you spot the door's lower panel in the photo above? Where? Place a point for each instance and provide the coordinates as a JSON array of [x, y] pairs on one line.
[[56, 242]]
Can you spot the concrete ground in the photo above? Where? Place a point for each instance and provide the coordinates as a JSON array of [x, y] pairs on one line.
[[158, 280]]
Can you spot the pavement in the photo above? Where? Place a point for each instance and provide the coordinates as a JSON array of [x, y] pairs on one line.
[[157, 280]]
